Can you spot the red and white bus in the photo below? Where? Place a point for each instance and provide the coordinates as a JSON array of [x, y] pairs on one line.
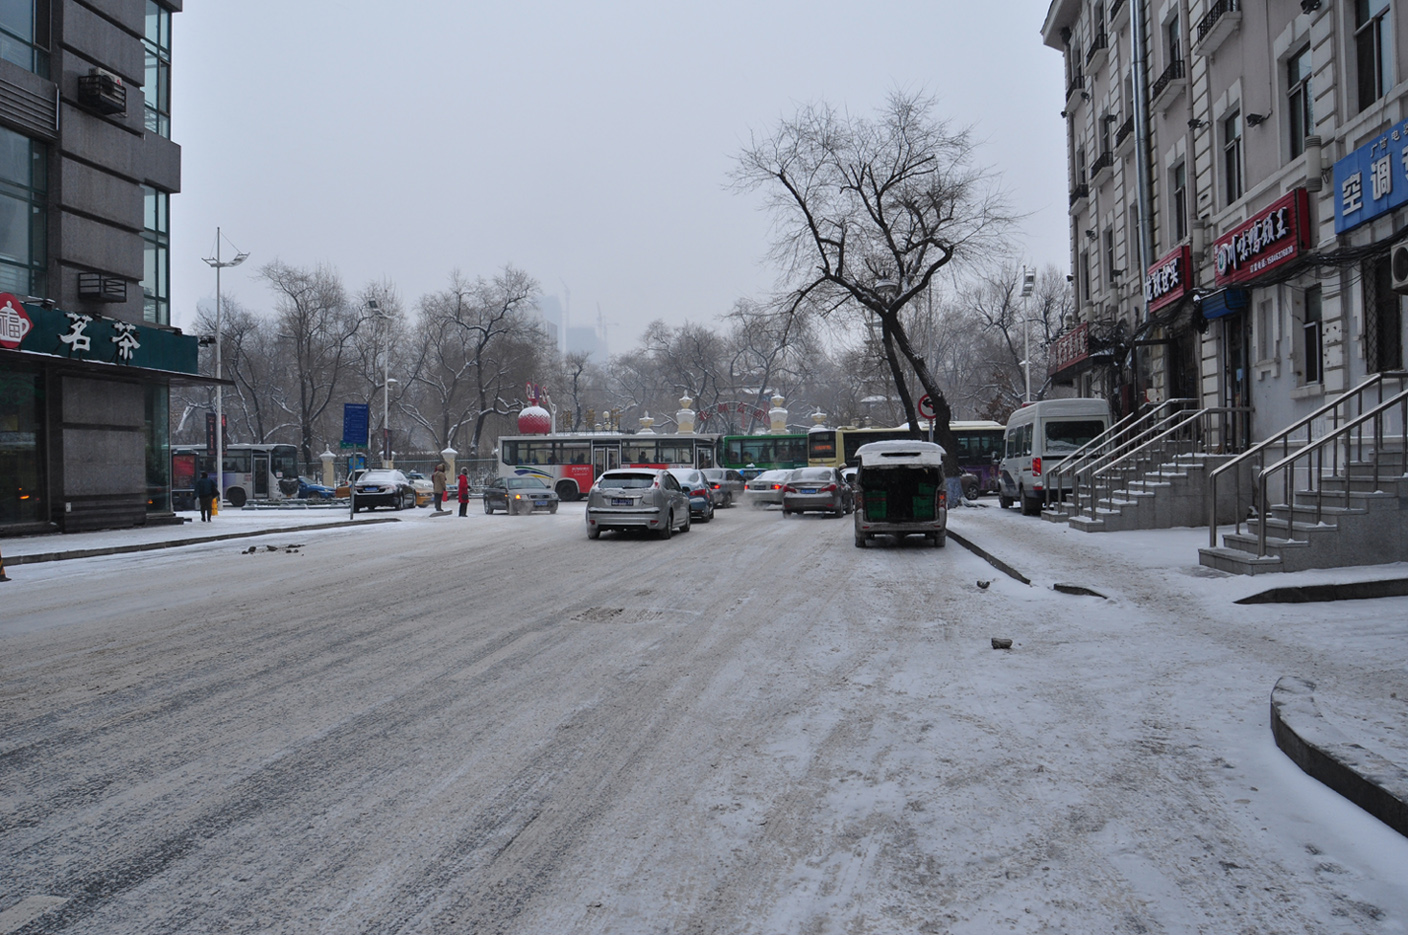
[[570, 464]]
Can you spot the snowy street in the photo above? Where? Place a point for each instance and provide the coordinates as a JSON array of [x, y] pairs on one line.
[[492, 724]]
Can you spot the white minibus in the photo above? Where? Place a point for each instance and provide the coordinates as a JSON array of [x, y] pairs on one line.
[[1039, 436]]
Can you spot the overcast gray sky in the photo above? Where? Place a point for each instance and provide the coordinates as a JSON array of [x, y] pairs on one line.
[[587, 143]]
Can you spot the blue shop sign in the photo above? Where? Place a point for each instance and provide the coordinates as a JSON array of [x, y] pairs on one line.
[[1372, 180]]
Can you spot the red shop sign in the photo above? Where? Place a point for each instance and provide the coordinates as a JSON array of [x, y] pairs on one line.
[[1272, 238], [1169, 280], [1069, 349]]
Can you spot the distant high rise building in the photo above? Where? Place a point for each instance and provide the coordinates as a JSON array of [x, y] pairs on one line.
[[554, 317]]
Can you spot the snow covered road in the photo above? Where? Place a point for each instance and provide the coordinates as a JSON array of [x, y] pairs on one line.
[[494, 725]]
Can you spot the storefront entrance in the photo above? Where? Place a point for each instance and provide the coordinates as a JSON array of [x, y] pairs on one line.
[[1236, 385], [21, 447]]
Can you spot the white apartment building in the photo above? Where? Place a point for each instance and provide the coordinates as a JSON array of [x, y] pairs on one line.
[[1239, 178]]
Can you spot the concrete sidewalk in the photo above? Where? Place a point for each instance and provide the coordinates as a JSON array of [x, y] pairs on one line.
[[1352, 736], [230, 524]]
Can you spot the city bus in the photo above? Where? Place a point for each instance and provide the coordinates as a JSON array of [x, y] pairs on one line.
[[751, 455], [570, 464], [252, 472], [837, 447], [978, 442]]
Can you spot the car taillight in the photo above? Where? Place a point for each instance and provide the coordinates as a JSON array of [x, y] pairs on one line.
[[829, 488], [1036, 466], [943, 499], [789, 489]]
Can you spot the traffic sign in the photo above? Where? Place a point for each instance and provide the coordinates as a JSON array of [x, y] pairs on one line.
[[926, 407]]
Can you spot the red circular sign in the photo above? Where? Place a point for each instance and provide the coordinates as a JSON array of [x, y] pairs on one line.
[[926, 407], [14, 323]]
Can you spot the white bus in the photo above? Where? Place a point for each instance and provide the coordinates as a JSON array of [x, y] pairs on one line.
[[570, 464], [252, 472]]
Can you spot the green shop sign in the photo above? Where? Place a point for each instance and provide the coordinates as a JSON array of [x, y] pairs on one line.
[[94, 338]]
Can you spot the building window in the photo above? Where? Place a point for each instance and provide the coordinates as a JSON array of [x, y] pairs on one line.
[[1373, 49], [1178, 201], [1299, 99], [1232, 155], [157, 90], [23, 214], [1312, 338], [1174, 37], [1109, 241], [158, 432], [156, 243], [1084, 273], [22, 454], [24, 34], [1383, 318]]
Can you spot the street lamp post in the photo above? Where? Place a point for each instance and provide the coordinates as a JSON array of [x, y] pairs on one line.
[[386, 381], [1028, 284], [219, 264]]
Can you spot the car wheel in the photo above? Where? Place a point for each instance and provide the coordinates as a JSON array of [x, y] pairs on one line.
[[553, 508], [1004, 501], [941, 539], [488, 506], [688, 521], [593, 532], [708, 514], [1031, 506], [669, 528], [971, 493]]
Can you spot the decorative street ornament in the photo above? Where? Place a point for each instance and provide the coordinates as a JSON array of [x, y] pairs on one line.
[[685, 416], [777, 417]]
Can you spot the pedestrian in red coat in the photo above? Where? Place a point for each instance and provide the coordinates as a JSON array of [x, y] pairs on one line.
[[464, 491]]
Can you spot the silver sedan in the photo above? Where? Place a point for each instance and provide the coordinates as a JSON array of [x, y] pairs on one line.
[[642, 499]]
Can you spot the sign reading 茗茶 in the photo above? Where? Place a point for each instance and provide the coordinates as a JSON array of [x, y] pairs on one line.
[[94, 338]]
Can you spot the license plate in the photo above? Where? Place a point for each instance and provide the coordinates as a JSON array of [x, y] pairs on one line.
[[622, 501], [808, 490]]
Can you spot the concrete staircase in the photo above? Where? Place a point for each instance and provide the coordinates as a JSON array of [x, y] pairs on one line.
[[1156, 496], [1349, 520]]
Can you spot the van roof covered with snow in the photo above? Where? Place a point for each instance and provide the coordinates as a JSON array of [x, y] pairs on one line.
[[900, 452]]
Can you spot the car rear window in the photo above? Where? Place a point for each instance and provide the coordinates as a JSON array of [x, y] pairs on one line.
[[812, 474], [624, 481]]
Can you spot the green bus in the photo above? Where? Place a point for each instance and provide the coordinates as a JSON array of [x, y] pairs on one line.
[[751, 455]]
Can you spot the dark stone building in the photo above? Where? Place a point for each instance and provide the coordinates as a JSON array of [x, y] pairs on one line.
[[87, 352]]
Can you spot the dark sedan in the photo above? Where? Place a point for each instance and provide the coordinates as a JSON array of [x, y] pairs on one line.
[[519, 495], [382, 487], [817, 488]]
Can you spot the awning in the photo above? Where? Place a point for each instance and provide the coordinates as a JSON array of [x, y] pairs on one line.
[[93, 368], [1225, 302]]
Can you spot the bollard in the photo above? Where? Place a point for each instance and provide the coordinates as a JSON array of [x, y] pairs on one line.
[[3, 576]]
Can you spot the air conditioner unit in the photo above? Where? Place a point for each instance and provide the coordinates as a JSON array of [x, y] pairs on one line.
[[1398, 266]]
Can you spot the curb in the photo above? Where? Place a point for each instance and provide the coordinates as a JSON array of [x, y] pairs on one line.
[[1348, 591], [174, 543], [1323, 753], [988, 557]]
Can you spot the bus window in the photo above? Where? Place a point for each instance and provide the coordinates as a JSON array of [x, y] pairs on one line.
[[283, 460]]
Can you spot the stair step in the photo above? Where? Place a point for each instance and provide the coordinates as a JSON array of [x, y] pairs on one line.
[[1237, 561]]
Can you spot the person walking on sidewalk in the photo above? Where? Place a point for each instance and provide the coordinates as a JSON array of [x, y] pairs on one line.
[[206, 492], [464, 491], [437, 481]]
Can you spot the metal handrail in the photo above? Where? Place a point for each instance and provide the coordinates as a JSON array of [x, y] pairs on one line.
[[1084, 479], [1286, 465], [1283, 438], [1170, 428], [1110, 440]]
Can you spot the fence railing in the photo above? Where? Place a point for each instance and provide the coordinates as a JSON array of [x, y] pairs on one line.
[[1112, 440], [1338, 413]]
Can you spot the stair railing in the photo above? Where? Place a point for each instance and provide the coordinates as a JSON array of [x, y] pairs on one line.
[[1119, 437], [1349, 439], [1185, 432], [1339, 409]]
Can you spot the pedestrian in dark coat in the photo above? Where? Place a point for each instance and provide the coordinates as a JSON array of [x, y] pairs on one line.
[[206, 492], [464, 491]]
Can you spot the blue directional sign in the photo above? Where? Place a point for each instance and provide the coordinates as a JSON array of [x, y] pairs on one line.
[[356, 420]]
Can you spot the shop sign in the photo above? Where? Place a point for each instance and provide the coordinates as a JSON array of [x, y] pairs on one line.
[[1372, 180], [95, 338], [1069, 349], [1273, 237], [1168, 280], [14, 323]]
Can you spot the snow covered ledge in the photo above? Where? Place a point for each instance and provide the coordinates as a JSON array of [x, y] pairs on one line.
[[1317, 747]]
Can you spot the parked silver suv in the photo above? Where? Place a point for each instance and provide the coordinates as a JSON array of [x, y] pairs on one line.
[[643, 499]]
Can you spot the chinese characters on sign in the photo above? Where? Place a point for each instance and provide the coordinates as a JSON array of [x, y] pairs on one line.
[[14, 323], [1070, 348], [1271, 237], [1168, 280], [1373, 179]]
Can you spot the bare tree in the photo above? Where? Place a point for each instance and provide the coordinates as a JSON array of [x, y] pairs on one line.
[[312, 314], [868, 211]]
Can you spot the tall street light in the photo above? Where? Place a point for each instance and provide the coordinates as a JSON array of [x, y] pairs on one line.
[[386, 382], [219, 264], [1028, 284]]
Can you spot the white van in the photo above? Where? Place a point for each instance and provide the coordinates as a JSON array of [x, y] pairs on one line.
[[1039, 436]]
